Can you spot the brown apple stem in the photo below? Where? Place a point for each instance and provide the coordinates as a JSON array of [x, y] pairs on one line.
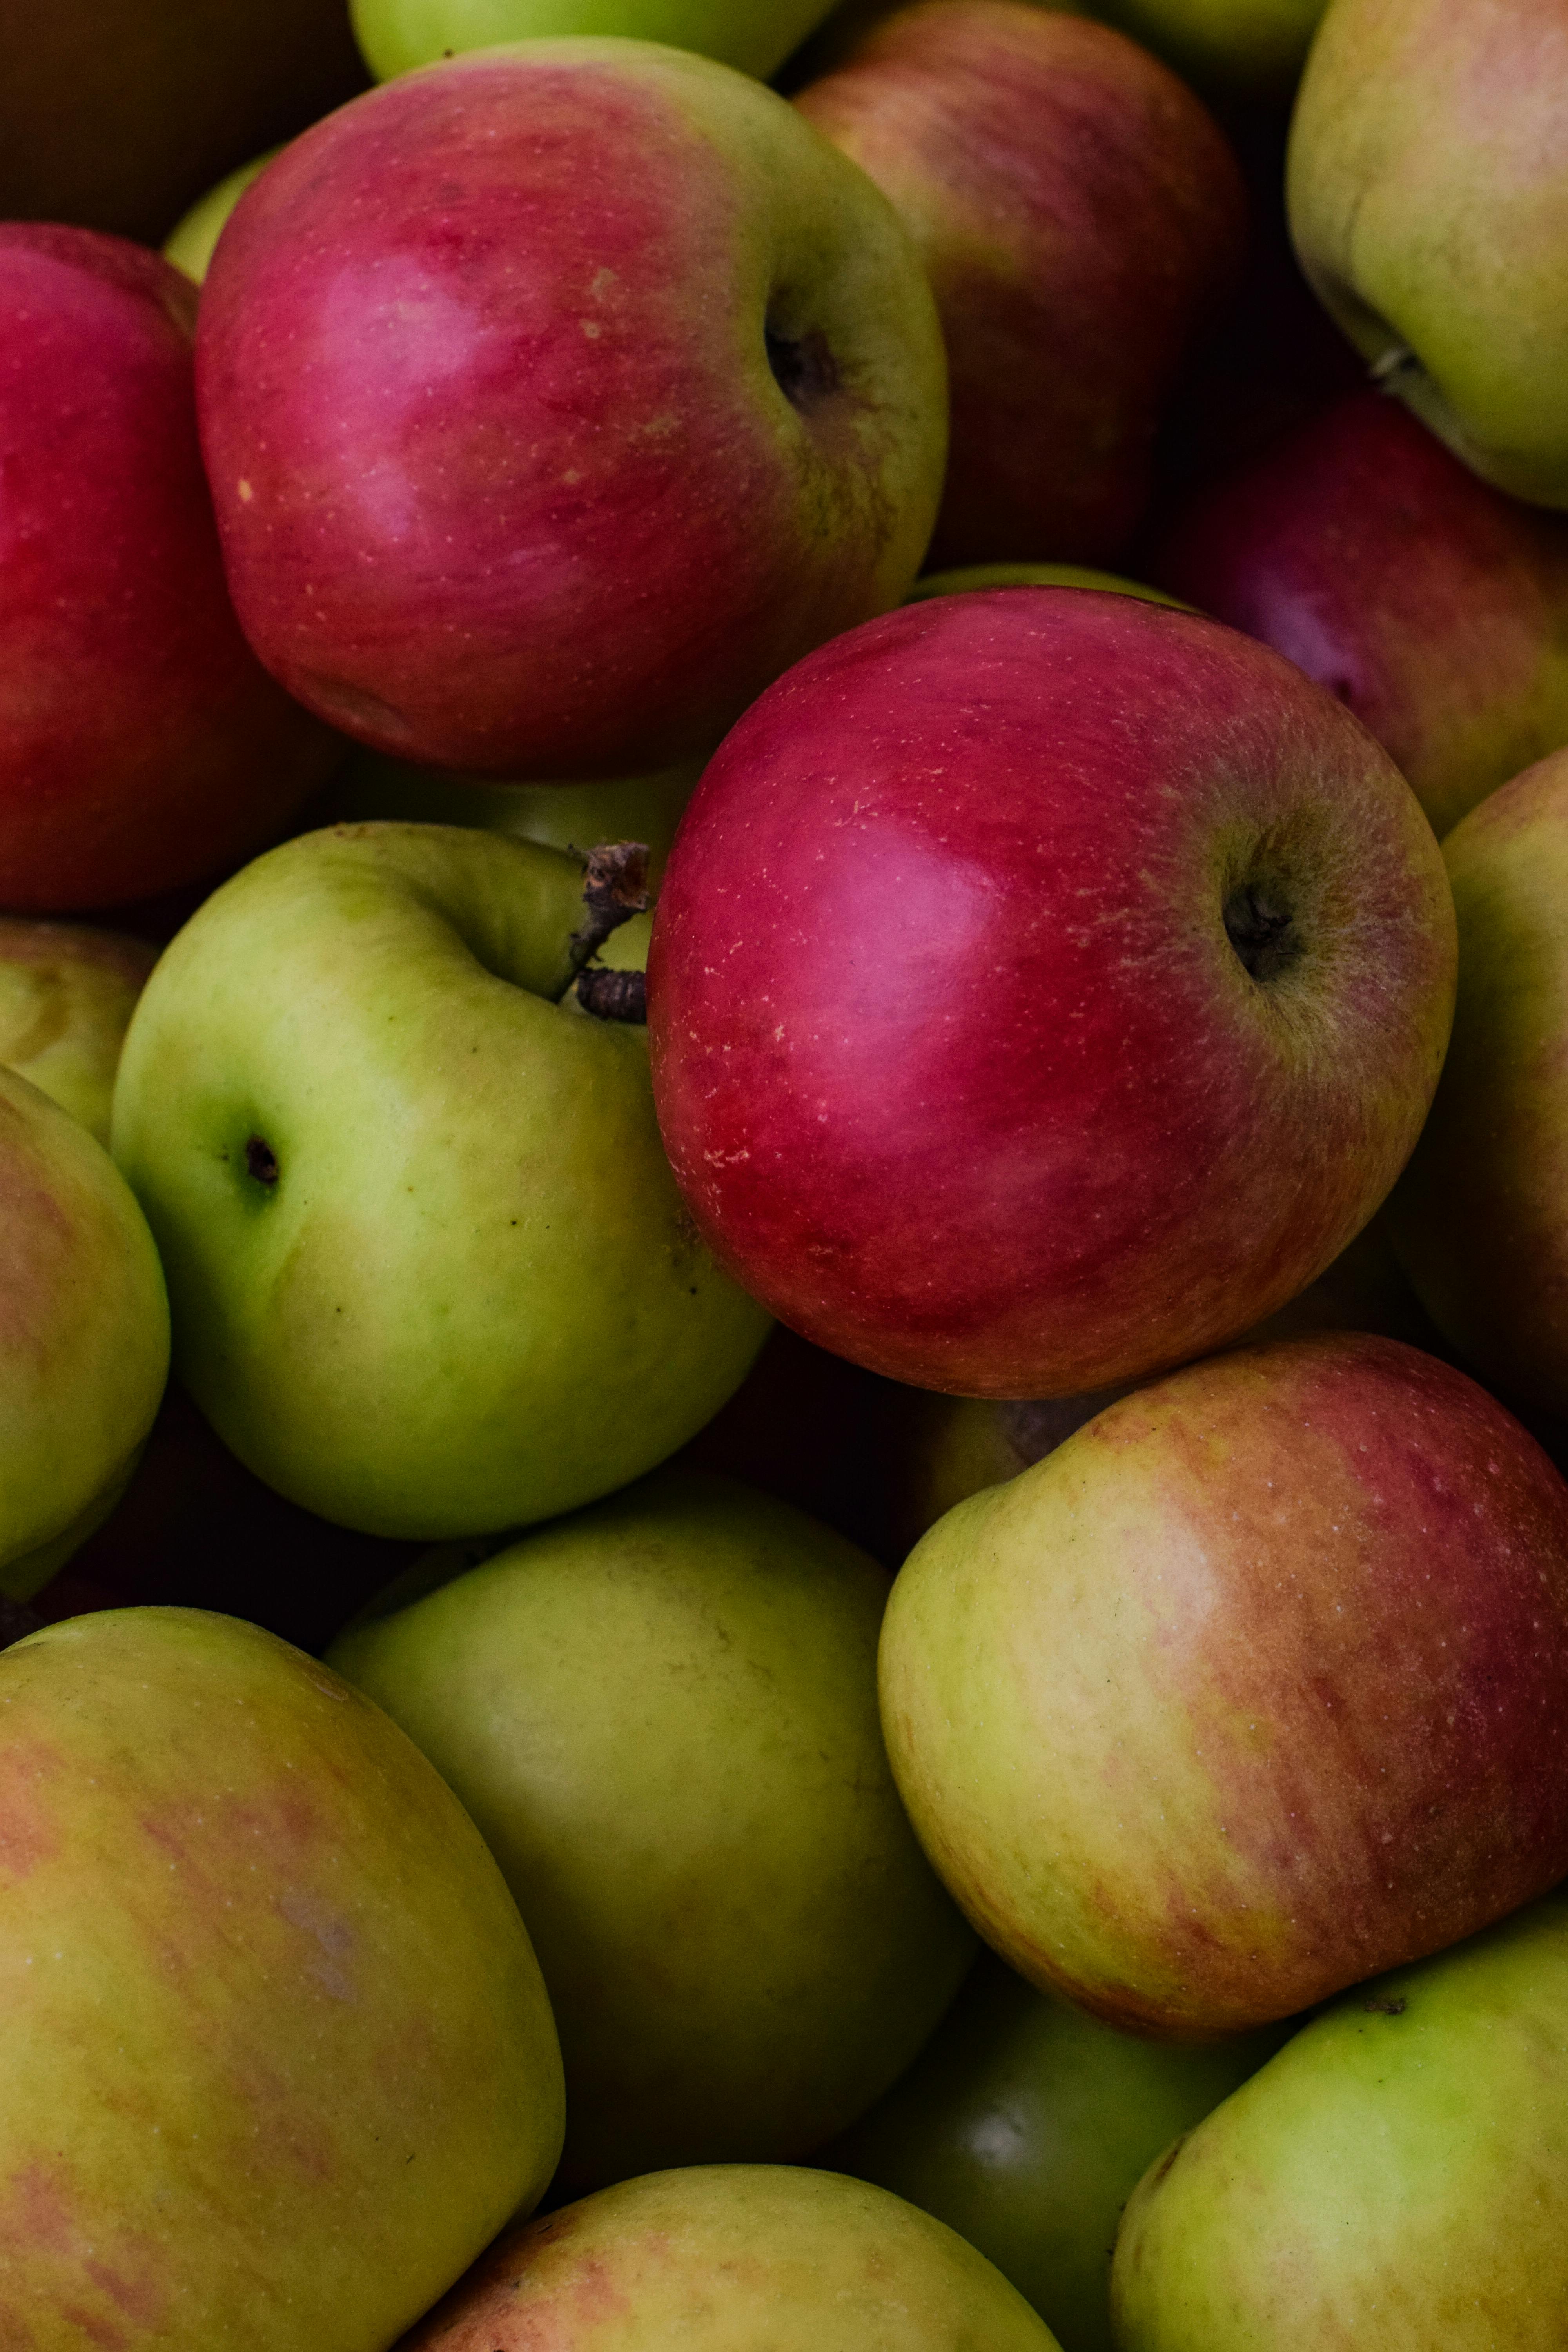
[[614, 995], [614, 888]]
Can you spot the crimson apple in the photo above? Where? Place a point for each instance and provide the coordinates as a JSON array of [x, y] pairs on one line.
[[1045, 987], [555, 399], [1434, 605], [1080, 212], [1253, 1688], [141, 743]]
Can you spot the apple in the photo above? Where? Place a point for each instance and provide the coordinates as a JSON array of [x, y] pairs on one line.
[[1434, 606], [86, 1336], [67, 995], [190, 244], [1479, 1219], [1239, 49], [1392, 2177], [115, 114], [965, 578], [282, 2061], [1025, 2125], [1249, 1690], [712, 2257], [429, 1272], [1045, 987], [141, 744], [1079, 213], [555, 399], [756, 35], [662, 1715], [1446, 271]]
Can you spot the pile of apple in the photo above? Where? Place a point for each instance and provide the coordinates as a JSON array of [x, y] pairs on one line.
[[663, 1000]]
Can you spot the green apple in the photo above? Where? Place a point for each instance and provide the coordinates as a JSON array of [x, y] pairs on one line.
[[1034, 575], [1427, 183], [755, 35], [1480, 1215], [662, 1714], [67, 995], [734, 2258], [1025, 2126], [1396, 2179], [84, 1347], [279, 2062], [429, 1272], [190, 243], [1248, 47]]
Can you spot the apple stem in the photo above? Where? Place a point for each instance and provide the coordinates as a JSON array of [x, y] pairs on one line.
[[614, 888], [614, 995]]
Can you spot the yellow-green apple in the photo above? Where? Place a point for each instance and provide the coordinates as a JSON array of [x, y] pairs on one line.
[[1249, 1690], [1045, 987], [1079, 213], [1428, 194], [715, 2257], [141, 743], [1395, 2177], [84, 1335], [756, 35], [117, 115], [1025, 2124], [190, 244], [1480, 1218], [1434, 606], [662, 1714], [67, 995], [968, 576], [282, 2061], [429, 1272], [555, 399], [1252, 49]]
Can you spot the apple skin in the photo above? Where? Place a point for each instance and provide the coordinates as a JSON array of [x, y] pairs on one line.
[[1433, 606], [1479, 1220], [1080, 214], [506, 479], [965, 578], [1448, 274], [754, 35], [86, 1327], [662, 1715], [1025, 2126], [141, 744], [467, 1294], [279, 2044], [191, 243], [956, 1063], [1238, 48], [713, 2258], [1393, 2177], [1247, 1691], [67, 995]]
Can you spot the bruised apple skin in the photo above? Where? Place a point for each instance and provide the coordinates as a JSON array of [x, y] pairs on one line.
[[1435, 607], [142, 745], [734, 2258], [1252, 1688], [281, 2062], [1045, 986], [555, 399], [1080, 214]]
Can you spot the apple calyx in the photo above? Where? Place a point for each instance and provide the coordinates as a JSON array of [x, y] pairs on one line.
[[803, 368], [260, 1161], [1260, 925], [614, 888]]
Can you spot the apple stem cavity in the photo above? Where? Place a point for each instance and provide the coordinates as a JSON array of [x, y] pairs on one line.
[[260, 1161], [803, 366], [1261, 928]]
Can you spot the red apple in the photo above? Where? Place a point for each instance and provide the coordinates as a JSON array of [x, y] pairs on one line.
[[1432, 605], [141, 743], [555, 399], [1079, 213], [1253, 1688], [1045, 986]]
